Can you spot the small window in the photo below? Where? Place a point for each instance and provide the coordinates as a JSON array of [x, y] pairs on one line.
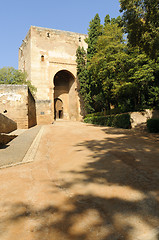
[[79, 39], [48, 34], [42, 58], [42, 113]]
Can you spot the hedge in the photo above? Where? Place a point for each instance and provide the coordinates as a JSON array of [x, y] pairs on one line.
[[114, 111], [119, 120], [153, 125]]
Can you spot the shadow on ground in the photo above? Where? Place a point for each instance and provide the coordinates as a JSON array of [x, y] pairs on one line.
[[122, 201]]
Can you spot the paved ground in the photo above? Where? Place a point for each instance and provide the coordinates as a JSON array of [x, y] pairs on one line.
[[85, 183], [15, 151]]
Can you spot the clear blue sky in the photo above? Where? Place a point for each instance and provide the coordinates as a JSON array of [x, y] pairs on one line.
[[17, 16]]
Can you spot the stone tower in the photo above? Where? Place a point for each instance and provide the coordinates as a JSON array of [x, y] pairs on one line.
[[48, 57]]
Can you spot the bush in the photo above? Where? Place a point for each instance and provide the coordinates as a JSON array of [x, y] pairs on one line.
[[94, 114], [153, 125], [119, 120], [106, 113]]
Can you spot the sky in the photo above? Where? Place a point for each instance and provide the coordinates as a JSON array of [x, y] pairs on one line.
[[17, 16]]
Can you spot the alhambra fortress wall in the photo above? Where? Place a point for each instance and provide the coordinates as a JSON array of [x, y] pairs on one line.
[[17, 107], [48, 57]]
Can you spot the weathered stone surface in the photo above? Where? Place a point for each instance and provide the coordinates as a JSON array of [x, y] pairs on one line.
[[7, 125], [44, 55], [139, 118], [18, 104]]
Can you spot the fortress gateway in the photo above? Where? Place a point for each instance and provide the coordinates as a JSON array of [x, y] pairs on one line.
[[48, 57]]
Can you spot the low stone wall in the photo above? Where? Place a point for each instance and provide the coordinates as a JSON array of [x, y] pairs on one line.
[[7, 125], [18, 104], [139, 118]]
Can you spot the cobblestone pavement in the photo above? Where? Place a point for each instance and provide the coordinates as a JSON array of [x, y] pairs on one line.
[[85, 183]]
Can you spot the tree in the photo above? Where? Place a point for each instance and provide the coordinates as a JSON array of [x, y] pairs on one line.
[[124, 76], [106, 20], [10, 75], [106, 64], [83, 79], [115, 72], [94, 31], [141, 22], [133, 94]]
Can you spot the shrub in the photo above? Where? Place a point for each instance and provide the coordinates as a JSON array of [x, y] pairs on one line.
[[153, 125], [94, 114], [119, 120], [106, 113]]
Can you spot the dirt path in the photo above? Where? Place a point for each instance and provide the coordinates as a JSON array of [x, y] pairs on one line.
[[86, 183]]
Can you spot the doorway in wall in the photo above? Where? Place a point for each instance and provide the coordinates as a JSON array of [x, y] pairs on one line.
[[65, 99], [58, 109]]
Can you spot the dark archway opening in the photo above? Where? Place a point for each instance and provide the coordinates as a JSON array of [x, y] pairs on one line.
[[58, 109], [64, 90]]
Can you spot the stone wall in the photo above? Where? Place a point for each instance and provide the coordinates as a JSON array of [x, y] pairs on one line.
[[7, 125], [139, 118], [17, 103]]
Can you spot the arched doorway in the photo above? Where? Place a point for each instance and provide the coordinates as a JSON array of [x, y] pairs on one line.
[[58, 112], [64, 90]]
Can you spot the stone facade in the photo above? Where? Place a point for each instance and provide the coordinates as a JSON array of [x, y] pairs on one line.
[[18, 104], [48, 57]]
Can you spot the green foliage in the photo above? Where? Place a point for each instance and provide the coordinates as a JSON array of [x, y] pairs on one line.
[[106, 20], [92, 98], [106, 62], [95, 94], [153, 125], [99, 120], [94, 114], [141, 22], [134, 92], [10, 75], [119, 120], [81, 60], [105, 112], [83, 78], [94, 31], [116, 73]]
